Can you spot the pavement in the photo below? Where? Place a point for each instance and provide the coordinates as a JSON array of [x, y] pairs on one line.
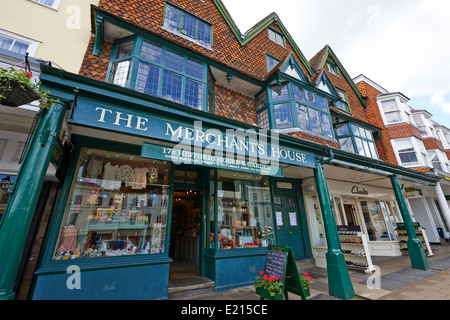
[[394, 279]]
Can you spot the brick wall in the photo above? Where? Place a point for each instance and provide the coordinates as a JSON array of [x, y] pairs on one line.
[[373, 113], [233, 105], [403, 130], [433, 143]]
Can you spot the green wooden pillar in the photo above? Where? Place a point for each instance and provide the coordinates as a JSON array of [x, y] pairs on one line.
[[415, 248], [339, 282], [22, 203]]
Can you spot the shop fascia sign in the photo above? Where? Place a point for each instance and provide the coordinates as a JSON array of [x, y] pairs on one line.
[[412, 193], [250, 144]]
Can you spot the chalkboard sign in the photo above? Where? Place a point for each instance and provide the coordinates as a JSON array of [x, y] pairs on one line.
[[280, 262], [276, 264]]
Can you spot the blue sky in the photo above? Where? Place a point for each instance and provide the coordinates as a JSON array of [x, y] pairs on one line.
[[403, 45]]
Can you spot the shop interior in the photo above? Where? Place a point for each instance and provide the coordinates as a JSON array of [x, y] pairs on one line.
[[184, 246]]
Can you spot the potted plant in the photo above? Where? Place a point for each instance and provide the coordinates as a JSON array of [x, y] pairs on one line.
[[306, 283], [16, 89], [270, 288]]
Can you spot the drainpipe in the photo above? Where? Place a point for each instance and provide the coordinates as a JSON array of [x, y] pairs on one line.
[[415, 248], [22, 203], [339, 282]]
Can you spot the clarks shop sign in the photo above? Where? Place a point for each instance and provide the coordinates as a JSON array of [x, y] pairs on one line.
[[231, 142]]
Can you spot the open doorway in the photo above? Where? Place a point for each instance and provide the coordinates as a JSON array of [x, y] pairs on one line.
[[184, 247], [350, 214]]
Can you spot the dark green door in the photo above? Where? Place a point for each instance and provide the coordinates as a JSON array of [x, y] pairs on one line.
[[289, 230]]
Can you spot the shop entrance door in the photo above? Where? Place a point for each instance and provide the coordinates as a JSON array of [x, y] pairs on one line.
[[288, 224], [185, 228]]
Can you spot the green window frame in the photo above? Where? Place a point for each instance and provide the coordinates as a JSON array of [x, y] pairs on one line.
[[276, 37], [343, 103], [153, 69], [188, 25], [357, 139], [271, 62], [333, 69], [288, 106]]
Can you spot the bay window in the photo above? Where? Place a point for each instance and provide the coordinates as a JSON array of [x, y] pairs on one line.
[[155, 70], [289, 106], [391, 111], [356, 139]]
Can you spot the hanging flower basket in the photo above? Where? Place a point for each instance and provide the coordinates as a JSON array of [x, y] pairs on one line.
[[14, 94], [16, 89]]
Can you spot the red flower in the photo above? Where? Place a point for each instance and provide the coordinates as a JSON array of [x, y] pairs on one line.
[[266, 277], [308, 278], [305, 273], [261, 272], [29, 75]]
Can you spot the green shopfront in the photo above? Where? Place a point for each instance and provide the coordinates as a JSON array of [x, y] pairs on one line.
[[156, 191]]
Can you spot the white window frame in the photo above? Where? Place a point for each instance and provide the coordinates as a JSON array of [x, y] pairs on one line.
[[421, 153], [55, 5], [32, 44]]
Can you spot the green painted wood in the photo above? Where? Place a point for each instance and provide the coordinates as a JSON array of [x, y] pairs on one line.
[[416, 251], [22, 203]]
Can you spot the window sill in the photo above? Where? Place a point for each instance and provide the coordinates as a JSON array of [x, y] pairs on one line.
[[187, 38]]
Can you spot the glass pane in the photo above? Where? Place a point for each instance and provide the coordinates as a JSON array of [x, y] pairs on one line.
[[310, 97], [118, 206], [261, 100], [204, 33], [212, 200], [193, 94], [151, 52], [172, 18], [119, 73], [359, 146], [389, 105], [194, 69], [303, 120], [147, 79], [314, 121], [263, 119], [347, 144], [124, 49], [374, 220], [280, 93], [191, 177], [362, 132], [317, 227], [326, 125], [171, 87], [407, 157], [244, 211], [393, 117], [189, 27], [373, 150], [283, 116], [299, 95], [271, 63], [343, 130], [174, 61], [355, 130], [322, 103], [366, 148], [19, 47], [5, 43]]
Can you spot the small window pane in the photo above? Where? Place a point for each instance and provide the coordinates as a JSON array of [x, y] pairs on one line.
[[193, 94], [373, 150], [124, 49], [322, 103], [271, 63], [147, 79], [303, 120], [343, 130], [189, 27], [172, 18], [310, 97], [174, 61], [171, 87], [314, 121], [280, 93], [359, 146], [151, 52], [263, 119], [298, 93], [194, 69], [389, 105], [326, 125], [392, 117], [204, 33], [283, 116], [261, 100], [355, 130], [119, 74], [347, 144]]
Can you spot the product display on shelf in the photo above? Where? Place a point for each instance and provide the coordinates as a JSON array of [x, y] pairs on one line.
[[355, 248], [421, 235], [119, 206]]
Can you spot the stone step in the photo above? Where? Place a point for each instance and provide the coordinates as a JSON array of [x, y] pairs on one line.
[[185, 288]]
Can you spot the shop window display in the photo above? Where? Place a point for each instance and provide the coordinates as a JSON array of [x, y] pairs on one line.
[[245, 217], [118, 205]]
